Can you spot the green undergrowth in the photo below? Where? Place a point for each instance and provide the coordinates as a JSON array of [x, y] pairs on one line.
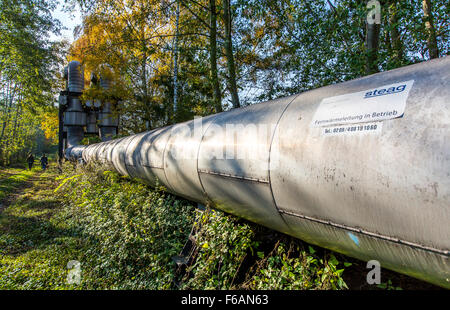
[[235, 254], [33, 245], [125, 234], [131, 232]]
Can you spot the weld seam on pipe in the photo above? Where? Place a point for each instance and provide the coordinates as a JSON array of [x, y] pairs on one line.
[[153, 167], [268, 163], [125, 157], [170, 187], [368, 233], [198, 157], [235, 176]]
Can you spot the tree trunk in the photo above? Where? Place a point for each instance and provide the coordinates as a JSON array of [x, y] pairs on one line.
[[146, 101], [371, 43], [213, 56], [397, 45], [175, 62], [144, 73], [431, 32], [4, 149], [229, 53], [16, 118], [10, 96], [387, 37], [12, 136], [5, 117]]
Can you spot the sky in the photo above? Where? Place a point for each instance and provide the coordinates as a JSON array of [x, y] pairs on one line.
[[68, 20]]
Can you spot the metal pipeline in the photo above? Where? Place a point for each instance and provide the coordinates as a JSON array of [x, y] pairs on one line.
[[77, 118], [108, 122], [74, 116], [361, 167]]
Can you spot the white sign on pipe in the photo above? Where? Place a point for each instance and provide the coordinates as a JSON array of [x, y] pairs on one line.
[[371, 105]]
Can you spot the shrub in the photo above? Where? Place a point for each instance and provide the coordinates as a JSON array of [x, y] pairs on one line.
[[131, 232]]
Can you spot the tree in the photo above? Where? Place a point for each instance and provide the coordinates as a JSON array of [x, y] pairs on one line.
[[431, 32], [372, 36], [395, 43], [175, 61], [227, 20], [213, 55], [29, 66], [246, 50]]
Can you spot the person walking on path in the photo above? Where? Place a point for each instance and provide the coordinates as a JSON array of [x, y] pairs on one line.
[[44, 162], [30, 161]]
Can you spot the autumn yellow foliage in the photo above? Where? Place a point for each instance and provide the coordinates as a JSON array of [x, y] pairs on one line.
[[49, 124]]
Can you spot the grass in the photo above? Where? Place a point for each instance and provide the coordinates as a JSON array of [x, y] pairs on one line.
[[34, 247]]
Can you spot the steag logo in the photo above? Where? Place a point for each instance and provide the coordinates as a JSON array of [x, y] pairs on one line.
[[384, 91]]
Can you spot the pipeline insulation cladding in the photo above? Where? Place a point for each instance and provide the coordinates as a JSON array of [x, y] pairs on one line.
[[361, 167]]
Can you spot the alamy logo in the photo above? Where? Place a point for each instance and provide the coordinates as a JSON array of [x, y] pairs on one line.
[[74, 275], [374, 275], [384, 91], [374, 14]]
